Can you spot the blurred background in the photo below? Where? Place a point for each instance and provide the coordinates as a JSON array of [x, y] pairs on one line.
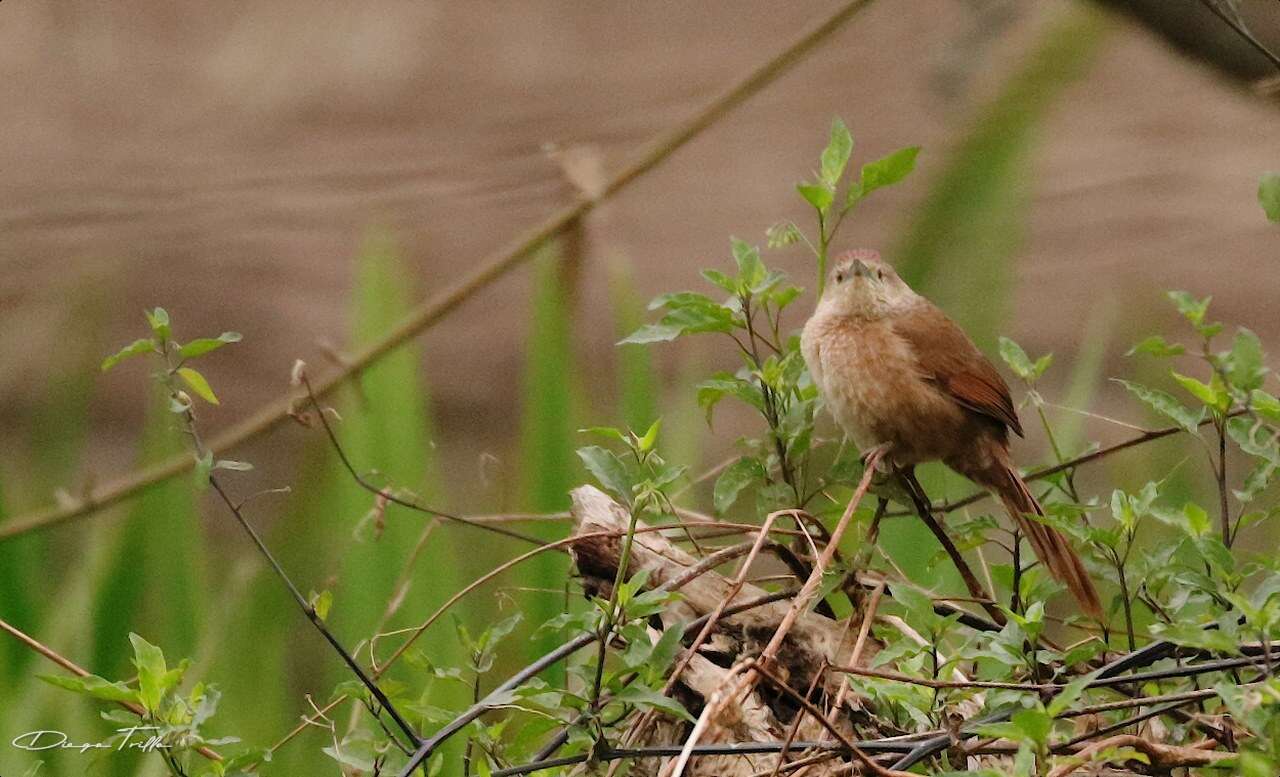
[[304, 173]]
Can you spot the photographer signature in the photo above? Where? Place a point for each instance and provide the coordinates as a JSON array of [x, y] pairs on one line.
[[135, 738]]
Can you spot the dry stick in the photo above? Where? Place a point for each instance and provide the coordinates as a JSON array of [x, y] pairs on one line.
[[1162, 756], [434, 309], [799, 604], [810, 708], [689, 653], [310, 611], [78, 671], [555, 656], [795, 724], [865, 629]]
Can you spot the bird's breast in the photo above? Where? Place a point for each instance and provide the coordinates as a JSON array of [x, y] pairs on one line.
[[873, 385]]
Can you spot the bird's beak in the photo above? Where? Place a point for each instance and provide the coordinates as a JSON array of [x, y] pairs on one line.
[[859, 269]]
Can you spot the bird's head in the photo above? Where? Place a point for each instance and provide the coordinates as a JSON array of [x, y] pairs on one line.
[[862, 284]]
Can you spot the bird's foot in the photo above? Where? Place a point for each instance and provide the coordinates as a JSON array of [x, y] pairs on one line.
[[879, 455]]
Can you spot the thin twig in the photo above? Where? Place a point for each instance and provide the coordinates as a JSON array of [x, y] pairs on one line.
[[1242, 32], [310, 611], [1045, 472]]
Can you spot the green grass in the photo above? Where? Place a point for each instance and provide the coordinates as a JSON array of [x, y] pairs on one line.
[[548, 438]]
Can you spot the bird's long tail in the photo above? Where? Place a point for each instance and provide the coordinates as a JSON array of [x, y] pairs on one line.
[[1049, 544]]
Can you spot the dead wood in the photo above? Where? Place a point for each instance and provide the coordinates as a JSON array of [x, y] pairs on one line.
[[764, 714]]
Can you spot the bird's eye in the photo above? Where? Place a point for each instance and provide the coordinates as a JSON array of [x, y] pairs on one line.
[[880, 274], [839, 277]]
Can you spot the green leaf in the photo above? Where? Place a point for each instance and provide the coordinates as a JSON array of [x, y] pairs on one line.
[[723, 281], [665, 650], [886, 171], [836, 155], [1254, 438], [608, 432], [152, 671], [136, 348], [197, 383], [1017, 359], [1155, 345], [1192, 309], [159, 321], [1244, 364], [608, 469], [817, 195], [1211, 394], [1269, 195], [321, 602], [751, 271], [688, 313], [640, 696], [1265, 405], [1069, 694], [207, 344], [1166, 405], [1035, 724], [1191, 519], [94, 686], [652, 333], [722, 384], [650, 438], [741, 474]]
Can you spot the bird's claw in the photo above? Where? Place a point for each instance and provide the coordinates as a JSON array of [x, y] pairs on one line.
[[880, 454]]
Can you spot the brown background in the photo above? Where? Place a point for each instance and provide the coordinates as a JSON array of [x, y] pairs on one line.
[[226, 159]]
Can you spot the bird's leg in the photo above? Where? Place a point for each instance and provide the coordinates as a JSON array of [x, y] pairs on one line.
[[923, 508]]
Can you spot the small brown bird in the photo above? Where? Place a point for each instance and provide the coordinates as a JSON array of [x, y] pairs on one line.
[[896, 372]]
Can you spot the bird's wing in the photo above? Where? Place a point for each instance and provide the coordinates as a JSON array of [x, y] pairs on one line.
[[949, 358]]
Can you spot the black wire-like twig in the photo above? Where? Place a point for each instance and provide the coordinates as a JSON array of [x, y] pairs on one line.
[[310, 611], [385, 493], [1111, 674], [429, 745]]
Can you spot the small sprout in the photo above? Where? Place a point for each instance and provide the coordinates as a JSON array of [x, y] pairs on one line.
[[159, 321], [784, 233], [321, 603]]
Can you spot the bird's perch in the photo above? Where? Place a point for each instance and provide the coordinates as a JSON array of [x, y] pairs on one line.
[[766, 713]]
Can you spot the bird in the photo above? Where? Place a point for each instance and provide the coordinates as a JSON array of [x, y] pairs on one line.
[[902, 378]]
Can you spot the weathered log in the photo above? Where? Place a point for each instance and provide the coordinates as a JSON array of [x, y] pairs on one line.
[[764, 714]]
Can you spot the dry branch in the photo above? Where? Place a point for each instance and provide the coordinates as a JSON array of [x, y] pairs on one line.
[[762, 714]]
